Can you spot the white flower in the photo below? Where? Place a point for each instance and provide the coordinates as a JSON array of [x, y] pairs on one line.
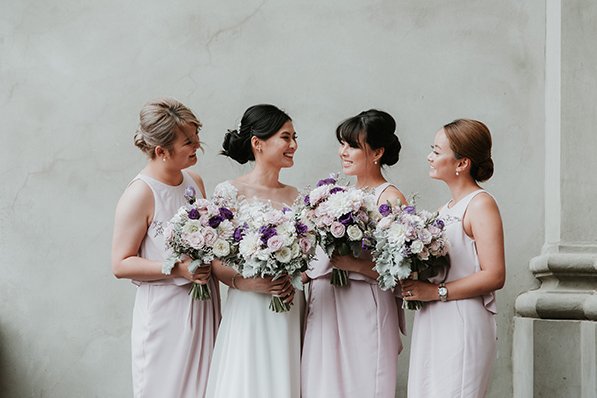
[[354, 233], [191, 226], [283, 255], [194, 239], [416, 246], [221, 248], [295, 250], [425, 236], [226, 229], [249, 245]]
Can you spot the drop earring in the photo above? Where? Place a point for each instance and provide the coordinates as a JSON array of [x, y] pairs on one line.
[[457, 173]]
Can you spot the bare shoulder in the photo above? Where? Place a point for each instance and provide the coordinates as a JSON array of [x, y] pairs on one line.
[[198, 180], [392, 194], [483, 203], [136, 199]]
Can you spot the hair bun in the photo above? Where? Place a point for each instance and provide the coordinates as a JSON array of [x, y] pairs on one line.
[[391, 153], [237, 146], [139, 140], [483, 171]]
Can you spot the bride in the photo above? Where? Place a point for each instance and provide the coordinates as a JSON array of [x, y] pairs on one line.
[[257, 351]]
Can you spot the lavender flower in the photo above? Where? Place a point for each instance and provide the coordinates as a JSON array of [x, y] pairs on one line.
[[336, 189], [346, 219], [226, 213], [307, 201], [385, 209], [215, 221], [326, 181], [301, 228], [238, 234], [267, 232], [409, 210], [194, 214], [190, 194]]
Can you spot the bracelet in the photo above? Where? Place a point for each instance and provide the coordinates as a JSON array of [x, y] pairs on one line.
[[233, 283]]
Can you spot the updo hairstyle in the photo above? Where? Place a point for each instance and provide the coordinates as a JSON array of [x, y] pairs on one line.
[[374, 127], [471, 139], [261, 121], [159, 121]]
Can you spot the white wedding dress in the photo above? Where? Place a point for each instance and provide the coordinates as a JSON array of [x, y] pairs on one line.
[[257, 351]]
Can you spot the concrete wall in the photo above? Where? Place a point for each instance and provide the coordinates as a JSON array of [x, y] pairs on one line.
[[74, 74]]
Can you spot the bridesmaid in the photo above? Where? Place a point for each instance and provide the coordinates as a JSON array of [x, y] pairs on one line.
[[172, 335], [454, 336], [257, 352], [352, 334]]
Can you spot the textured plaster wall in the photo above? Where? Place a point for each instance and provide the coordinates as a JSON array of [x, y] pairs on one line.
[[74, 74]]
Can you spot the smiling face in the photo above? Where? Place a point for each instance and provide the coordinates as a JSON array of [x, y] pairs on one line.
[[442, 161], [278, 150], [357, 161], [183, 153]]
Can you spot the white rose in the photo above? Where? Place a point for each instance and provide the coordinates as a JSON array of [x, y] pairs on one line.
[[221, 248], [354, 233], [283, 255], [416, 246], [295, 250]]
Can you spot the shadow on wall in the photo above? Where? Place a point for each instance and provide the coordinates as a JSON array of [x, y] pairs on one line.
[[9, 374]]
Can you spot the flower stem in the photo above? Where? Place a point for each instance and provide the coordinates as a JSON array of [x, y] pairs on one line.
[[200, 292], [339, 277], [277, 305]]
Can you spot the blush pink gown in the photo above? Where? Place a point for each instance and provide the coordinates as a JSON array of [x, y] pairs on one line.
[[453, 344], [173, 336], [352, 335]]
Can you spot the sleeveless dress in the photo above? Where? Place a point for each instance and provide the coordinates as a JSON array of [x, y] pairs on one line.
[[173, 335], [352, 335], [453, 343], [257, 352]]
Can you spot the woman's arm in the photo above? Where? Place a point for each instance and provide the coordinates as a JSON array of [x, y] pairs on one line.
[[483, 223], [280, 287], [133, 216]]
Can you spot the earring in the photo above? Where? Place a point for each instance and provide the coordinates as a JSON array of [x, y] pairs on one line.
[[375, 162], [457, 173], [163, 159]]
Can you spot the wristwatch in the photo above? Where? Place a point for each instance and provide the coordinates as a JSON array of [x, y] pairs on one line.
[[442, 292]]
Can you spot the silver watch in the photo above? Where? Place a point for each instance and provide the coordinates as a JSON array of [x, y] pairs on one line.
[[442, 292]]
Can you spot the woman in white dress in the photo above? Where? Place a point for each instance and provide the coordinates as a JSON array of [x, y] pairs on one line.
[[257, 352], [172, 337]]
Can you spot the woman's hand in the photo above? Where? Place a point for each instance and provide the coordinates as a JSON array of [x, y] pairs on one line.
[[201, 274], [305, 278], [346, 263], [418, 290], [280, 287]]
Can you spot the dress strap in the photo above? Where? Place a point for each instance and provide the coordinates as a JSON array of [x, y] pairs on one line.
[[381, 188]]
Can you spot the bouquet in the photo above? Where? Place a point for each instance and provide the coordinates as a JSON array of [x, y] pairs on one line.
[[204, 232], [273, 243], [344, 218], [409, 243]]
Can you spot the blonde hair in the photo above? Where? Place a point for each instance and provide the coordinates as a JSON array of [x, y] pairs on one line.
[[159, 121], [471, 139]]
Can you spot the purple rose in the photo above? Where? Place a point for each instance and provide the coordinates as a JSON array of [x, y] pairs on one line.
[[189, 194], [266, 233], [194, 214], [409, 210], [215, 221], [346, 219], [326, 181], [336, 189], [300, 228], [385, 209], [439, 223], [226, 213], [239, 232]]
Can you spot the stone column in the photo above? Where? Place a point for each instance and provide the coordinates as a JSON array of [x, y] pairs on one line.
[[555, 330]]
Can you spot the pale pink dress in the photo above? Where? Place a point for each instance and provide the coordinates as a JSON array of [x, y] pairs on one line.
[[352, 335], [453, 344], [173, 335]]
